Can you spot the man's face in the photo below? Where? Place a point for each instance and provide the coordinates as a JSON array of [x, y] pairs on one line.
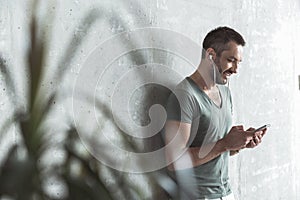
[[228, 62]]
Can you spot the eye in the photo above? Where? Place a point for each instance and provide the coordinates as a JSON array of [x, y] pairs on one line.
[[230, 59]]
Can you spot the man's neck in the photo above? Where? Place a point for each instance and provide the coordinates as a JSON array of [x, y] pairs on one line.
[[206, 84], [210, 88]]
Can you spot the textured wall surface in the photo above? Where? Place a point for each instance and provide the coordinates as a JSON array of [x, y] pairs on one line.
[[144, 47]]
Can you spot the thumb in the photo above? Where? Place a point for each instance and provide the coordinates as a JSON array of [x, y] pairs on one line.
[[251, 129]]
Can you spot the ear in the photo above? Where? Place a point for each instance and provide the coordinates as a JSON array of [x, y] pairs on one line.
[[210, 53]]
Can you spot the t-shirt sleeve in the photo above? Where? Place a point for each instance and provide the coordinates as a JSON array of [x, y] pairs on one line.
[[180, 107]]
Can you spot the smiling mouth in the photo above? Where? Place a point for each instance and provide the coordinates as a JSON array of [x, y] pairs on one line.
[[227, 73]]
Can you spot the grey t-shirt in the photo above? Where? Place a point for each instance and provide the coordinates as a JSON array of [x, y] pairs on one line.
[[209, 123]]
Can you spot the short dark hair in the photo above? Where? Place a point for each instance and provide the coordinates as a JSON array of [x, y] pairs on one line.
[[219, 38]]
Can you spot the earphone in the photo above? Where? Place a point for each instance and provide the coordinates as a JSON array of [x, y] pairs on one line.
[[213, 65]]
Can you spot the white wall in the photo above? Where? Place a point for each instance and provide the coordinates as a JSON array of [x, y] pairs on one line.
[[265, 90]]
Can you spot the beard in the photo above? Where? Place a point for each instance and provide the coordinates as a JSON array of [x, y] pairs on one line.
[[218, 75]]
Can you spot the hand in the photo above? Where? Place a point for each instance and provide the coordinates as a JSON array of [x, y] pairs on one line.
[[257, 138], [237, 138]]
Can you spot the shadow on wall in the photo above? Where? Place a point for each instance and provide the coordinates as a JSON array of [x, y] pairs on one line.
[[79, 175]]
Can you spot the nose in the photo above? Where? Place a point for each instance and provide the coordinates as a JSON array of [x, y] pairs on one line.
[[235, 66]]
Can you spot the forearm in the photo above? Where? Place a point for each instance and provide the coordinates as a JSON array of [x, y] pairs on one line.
[[195, 156], [207, 152]]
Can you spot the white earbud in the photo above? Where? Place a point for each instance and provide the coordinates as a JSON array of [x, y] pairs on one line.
[[213, 66]]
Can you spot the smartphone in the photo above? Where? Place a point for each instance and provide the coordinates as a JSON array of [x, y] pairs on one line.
[[262, 127]]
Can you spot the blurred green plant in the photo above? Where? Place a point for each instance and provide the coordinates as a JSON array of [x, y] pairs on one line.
[[23, 177]]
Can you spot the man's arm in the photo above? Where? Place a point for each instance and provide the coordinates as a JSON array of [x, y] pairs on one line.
[[179, 156]]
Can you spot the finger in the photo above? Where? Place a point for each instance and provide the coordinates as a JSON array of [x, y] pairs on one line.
[[259, 136], [264, 131], [240, 127], [258, 133], [251, 129], [257, 140], [252, 144]]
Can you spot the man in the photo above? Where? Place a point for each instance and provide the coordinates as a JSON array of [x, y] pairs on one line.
[[197, 132]]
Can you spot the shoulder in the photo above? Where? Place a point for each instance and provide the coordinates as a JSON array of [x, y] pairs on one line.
[[183, 91], [184, 88], [185, 84], [181, 104]]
